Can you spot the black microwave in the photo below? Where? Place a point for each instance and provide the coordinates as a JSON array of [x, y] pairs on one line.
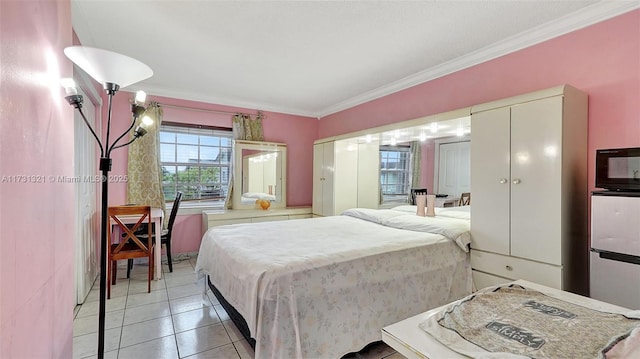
[[618, 169]]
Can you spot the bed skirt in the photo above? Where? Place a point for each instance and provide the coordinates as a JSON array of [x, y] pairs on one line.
[[235, 317]]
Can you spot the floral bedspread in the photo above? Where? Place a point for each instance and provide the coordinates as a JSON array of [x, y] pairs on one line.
[[323, 287]]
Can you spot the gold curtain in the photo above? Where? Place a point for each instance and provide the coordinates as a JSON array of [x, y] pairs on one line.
[[247, 129], [144, 186]]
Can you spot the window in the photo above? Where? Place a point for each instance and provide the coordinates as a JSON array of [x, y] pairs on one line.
[[195, 161], [394, 170]]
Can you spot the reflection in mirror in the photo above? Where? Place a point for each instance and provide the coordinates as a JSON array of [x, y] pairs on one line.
[[259, 174], [410, 158]]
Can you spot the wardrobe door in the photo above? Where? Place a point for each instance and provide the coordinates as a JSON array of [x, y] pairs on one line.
[[368, 175], [536, 180], [323, 158], [490, 137], [345, 176]]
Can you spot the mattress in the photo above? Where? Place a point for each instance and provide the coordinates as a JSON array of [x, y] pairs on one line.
[[324, 287]]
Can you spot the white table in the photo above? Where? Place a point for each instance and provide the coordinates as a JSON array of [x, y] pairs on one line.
[[412, 342], [446, 202], [157, 215]]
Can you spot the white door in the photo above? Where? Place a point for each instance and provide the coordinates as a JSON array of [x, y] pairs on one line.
[[490, 156], [536, 180], [323, 169], [85, 228], [453, 171]]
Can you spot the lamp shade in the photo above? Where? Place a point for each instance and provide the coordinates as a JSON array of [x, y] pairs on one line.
[[107, 66]]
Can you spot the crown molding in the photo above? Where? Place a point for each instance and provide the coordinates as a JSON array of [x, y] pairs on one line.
[[223, 101], [580, 19]]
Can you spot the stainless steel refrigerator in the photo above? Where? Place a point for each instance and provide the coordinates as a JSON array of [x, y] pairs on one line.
[[615, 248]]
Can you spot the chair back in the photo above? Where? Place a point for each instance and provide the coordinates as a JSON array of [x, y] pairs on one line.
[[174, 210], [129, 237], [414, 192], [465, 199]]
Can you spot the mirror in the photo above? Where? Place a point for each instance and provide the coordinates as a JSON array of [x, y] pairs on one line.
[[259, 174], [432, 140]]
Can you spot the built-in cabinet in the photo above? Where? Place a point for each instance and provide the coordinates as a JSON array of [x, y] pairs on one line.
[[215, 218], [529, 184], [345, 175]]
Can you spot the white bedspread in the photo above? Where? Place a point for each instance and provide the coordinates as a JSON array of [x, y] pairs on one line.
[[453, 229], [458, 212], [322, 287]]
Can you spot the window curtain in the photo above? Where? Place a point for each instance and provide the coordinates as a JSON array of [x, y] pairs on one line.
[[416, 151], [247, 129], [144, 186]]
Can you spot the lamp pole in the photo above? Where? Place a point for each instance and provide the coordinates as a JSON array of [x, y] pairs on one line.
[[112, 70], [105, 166]]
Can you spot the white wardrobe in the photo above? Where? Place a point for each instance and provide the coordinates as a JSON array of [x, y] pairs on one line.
[[345, 175], [529, 183]]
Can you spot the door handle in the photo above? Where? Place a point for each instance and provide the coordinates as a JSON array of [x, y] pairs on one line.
[[503, 180], [516, 181]]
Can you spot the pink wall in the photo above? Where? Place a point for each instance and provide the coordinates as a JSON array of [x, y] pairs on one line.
[[36, 219], [602, 60], [296, 131]]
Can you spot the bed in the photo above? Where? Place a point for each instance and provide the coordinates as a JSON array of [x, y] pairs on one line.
[[251, 197], [324, 287], [519, 320]]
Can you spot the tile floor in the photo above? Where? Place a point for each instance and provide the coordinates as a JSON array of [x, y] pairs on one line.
[[173, 321]]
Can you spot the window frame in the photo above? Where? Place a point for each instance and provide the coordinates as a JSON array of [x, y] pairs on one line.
[[384, 170], [224, 148]]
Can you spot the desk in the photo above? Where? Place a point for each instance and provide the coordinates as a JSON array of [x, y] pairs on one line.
[[446, 202], [408, 339], [157, 214]]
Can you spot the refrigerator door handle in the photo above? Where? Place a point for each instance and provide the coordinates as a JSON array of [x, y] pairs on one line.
[[620, 257]]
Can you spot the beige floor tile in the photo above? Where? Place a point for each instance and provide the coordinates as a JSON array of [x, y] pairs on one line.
[[161, 348], [185, 304], [202, 339], [145, 331], [395, 355], [232, 330], [194, 319], [179, 271], [89, 324], [212, 297], [224, 352], [107, 355], [185, 290], [221, 313], [155, 296], [111, 305], [146, 312], [175, 281], [140, 286], [244, 349], [87, 345]]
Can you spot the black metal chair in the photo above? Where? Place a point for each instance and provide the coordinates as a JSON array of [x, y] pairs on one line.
[[165, 236], [414, 192]]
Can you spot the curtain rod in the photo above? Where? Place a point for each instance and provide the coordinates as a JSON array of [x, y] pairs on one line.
[[206, 110]]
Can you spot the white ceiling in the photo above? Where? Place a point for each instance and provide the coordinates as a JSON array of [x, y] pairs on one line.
[[315, 58]]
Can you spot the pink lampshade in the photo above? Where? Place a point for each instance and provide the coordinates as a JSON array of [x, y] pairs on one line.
[[108, 66]]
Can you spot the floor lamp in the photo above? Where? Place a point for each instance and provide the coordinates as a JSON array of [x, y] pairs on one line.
[[113, 71]]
